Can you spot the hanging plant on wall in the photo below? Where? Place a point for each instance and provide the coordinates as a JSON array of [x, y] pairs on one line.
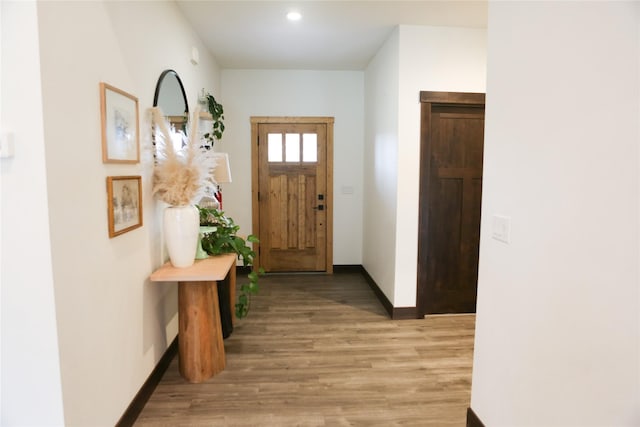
[[217, 113]]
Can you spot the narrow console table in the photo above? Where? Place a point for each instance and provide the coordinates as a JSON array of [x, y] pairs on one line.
[[201, 347]]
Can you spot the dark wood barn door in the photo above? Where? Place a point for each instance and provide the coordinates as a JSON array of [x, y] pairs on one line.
[[452, 140]]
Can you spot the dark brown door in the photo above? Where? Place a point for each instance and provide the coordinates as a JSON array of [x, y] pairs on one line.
[[450, 201], [293, 197]]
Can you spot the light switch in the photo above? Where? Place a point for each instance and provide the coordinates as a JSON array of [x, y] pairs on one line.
[[347, 189], [6, 145], [501, 229]]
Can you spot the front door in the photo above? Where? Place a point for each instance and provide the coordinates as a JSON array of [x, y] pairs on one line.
[[293, 194], [450, 201]]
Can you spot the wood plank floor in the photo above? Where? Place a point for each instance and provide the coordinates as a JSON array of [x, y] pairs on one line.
[[319, 350]]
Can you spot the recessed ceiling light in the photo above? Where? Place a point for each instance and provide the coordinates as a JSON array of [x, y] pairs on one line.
[[294, 16]]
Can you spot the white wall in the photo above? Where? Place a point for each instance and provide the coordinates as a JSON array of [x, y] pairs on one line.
[[113, 324], [338, 94], [380, 165], [31, 387], [558, 328], [413, 59]]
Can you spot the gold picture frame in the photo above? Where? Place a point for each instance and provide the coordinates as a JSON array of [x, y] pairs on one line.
[[124, 200], [120, 125]]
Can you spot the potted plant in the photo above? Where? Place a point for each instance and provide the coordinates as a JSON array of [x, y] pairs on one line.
[[181, 176], [225, 239]]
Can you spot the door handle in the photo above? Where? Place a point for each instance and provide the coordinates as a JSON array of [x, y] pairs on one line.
[[319, 207]]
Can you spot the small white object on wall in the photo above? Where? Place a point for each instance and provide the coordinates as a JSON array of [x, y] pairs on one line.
[[195, 56], [501, 228], [6, 145], [347, 189]]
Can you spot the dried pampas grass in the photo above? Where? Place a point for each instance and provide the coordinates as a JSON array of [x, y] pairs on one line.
[[180, 177]]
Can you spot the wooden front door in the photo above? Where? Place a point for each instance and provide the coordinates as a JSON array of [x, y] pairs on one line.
[[293, 193], [450, 201]]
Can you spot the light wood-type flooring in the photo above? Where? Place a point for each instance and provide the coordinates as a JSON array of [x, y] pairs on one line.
[[319, 350]]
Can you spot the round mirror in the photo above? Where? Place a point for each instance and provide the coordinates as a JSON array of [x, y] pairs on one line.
[[171, 98]]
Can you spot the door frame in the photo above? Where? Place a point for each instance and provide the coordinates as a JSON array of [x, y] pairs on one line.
[[429, 99], [255, 181]]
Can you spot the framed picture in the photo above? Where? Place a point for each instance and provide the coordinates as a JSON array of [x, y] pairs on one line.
[[120, 125], [124, 198]]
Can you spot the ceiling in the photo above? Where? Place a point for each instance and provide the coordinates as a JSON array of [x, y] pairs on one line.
[[332, 34]]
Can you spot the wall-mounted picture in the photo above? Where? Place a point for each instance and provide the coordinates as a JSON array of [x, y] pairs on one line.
[[124, 196], [120, 125]]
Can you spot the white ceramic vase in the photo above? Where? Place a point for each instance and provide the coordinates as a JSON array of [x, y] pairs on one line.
[[181, 226]]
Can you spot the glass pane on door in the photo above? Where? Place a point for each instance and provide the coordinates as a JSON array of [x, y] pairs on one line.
[[292, 147], [309, 147], [274, 147]]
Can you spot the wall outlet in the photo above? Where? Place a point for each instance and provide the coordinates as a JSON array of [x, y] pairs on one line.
[[501, 229]]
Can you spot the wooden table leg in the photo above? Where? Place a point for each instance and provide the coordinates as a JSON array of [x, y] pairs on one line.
[[201, 349]]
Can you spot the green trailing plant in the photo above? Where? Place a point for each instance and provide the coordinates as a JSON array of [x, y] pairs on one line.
[[224, 240], [217, 113]]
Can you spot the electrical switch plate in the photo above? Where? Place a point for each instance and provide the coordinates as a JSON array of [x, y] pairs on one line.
[[501, 229], [347, 189], [6, 145]]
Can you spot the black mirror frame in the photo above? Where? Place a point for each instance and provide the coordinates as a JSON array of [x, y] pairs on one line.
[[159, 84]]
